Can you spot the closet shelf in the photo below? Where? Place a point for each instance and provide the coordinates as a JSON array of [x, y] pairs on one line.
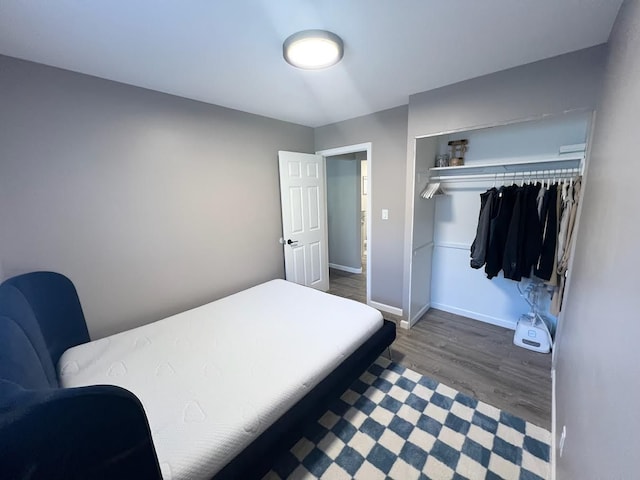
[[570, 164], [547, 163]]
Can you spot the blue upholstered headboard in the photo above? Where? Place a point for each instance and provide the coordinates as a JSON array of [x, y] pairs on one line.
[[40, 318], [47, 431]]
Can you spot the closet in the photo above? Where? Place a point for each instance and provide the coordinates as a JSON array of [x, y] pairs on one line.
[[444, 227]]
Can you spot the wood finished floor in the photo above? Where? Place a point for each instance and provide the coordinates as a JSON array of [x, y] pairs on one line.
[[471, 356]]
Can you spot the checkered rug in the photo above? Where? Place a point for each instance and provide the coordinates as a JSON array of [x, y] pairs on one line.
[[395, 423]]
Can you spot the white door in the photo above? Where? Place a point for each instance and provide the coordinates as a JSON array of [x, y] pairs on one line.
[[304, 219]]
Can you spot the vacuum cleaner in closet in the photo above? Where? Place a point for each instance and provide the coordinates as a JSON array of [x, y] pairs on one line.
[[532, 331]]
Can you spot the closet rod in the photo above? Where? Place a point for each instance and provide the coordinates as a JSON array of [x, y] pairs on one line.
[[515, 176]]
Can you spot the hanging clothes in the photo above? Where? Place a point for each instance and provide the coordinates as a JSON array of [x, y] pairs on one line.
[[524, 237], [480, 243], [511, 259], [533, 231], [567, 203], [553, 281], [549, 218], [499, 228], [540, 199], [563, 263], [526, 230]]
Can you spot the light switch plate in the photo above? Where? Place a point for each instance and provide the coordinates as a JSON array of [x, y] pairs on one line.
[[385, 214]]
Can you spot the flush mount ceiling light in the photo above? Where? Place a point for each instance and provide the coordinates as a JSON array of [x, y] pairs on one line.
[[313, 49]]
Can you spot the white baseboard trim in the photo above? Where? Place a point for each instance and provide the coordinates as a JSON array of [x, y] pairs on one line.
[[386, 308], [408, 324], [345, 269], [500, 322]]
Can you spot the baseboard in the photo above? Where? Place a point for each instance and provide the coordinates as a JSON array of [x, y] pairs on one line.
[[386, 308], [345, 269], [408, 324], [500, 322]]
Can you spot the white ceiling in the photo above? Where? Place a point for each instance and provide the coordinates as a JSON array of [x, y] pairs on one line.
[[229, 52]]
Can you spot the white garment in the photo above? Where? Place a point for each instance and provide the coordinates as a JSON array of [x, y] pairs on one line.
[[567, 206], [563, 261]]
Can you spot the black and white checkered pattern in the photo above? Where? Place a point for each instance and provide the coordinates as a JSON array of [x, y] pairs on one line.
[[395, 423]]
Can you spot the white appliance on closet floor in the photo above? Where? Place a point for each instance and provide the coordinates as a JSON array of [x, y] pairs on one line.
[[532, 333]]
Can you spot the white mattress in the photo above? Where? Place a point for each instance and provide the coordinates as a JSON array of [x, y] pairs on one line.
[[213, 378]]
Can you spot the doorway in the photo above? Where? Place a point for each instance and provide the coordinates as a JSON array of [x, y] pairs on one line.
[[348, 198]]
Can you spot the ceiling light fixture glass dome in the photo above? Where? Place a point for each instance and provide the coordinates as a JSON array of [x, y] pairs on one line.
[[313, 49]]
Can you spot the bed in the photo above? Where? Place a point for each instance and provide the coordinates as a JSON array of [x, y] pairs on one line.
[[214, 392]]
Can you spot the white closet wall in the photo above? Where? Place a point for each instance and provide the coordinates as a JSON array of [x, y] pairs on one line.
[[455, 286], [423, 233]]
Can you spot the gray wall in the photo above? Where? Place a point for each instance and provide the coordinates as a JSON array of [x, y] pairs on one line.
[[387, 131], [597, 367], [552, 86], [150, 203], [343, 211]]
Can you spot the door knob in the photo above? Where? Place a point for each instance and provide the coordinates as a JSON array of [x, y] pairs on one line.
[[292, 242]]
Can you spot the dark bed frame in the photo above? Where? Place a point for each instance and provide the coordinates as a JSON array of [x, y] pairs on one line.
[[102, 432]]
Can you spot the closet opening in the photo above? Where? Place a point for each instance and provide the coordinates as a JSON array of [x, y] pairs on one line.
[[545, 152], [512, 160]]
